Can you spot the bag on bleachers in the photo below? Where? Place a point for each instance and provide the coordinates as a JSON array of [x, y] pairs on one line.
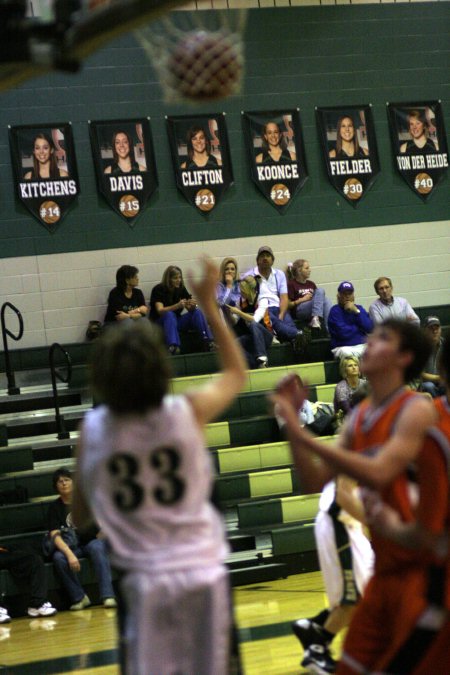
[[68, 535], [93, 330], [17, 495], [324, 419]]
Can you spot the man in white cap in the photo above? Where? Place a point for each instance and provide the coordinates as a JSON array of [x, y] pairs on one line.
[[348, 324], [273, 298], [431, 381]]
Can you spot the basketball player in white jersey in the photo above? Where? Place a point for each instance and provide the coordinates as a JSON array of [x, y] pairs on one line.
[[144, 474]]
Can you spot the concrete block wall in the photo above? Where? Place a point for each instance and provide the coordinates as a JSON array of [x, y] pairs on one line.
[[58, 294]]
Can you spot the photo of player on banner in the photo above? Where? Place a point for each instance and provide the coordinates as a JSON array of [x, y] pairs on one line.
[[419, 144], [349, 148], [275, 149], [124, 164], [201, 158], [45, 170]]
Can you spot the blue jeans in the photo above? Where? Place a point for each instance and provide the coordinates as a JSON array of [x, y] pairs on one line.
[[96, 551], [285, 329], [256, 342], [173, 323], [320, 306]]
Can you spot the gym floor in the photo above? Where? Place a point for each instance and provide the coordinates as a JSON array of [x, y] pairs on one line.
[[85, 642]]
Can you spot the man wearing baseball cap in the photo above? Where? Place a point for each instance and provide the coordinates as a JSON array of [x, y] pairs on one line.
[[431, 381], [273, 298], [348, 324]]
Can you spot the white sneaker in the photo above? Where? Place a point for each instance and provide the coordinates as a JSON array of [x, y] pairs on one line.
[[44, 610], [4, 616], [315, 322]]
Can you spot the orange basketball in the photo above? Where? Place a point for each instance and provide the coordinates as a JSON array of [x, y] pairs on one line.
[[205, 66]]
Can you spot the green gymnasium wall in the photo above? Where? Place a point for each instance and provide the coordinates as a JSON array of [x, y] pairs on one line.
[[296, 57]]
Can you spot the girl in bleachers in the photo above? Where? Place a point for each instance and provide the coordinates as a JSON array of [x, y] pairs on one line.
[[307, 302]]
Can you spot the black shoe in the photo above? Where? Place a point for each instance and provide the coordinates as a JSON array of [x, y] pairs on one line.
[[174, 350], [321, 617], [318, 660], [309, 633], [301, 341]]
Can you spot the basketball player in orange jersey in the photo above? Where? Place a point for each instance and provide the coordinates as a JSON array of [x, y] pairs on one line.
[[427, 650], [386, 432]]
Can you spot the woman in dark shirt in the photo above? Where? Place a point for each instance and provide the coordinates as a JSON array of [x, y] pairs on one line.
[[126, 301], [175, 310]]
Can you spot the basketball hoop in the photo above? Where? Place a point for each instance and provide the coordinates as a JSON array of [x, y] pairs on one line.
[[198, 56]]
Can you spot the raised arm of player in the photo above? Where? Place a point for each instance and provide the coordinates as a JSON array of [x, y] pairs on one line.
[[210, 400], [288, 399], [395, 455]]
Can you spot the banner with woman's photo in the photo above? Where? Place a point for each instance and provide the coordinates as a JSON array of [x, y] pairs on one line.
[[276, 151], [419, 144], [201, 158], [124, 164], [349, 148], [45, 170]]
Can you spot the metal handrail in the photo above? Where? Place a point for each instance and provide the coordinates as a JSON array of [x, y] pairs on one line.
[[12, 389], [62, 433]]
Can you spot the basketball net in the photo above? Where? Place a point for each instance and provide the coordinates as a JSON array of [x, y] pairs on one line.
[[198, 56]]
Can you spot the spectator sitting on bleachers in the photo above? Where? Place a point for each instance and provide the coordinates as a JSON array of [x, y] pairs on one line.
[[306, 300], [273, 298], [388, 306], [90, 544], [348, 324], [175, 310], [24, 564], [227, 290], [431, 382], [255, 339], [351, 381], [126, 302]]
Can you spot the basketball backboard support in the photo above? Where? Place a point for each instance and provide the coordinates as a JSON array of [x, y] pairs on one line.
[[66, 34]]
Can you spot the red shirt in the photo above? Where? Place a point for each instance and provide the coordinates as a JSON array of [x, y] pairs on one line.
[[297, 290]]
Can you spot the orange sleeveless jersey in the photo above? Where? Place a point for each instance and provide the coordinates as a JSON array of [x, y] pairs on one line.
[[440, 490], [370, 430]]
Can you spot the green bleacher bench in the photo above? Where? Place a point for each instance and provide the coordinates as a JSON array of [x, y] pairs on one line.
[[293, 539], [21, 518], [257, 484], [16, 459], [277, 511], [253, 457]]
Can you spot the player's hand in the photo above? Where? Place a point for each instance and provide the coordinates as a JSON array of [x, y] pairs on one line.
[[381, 517], [288, 399], [292, 389], [205, 288]]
